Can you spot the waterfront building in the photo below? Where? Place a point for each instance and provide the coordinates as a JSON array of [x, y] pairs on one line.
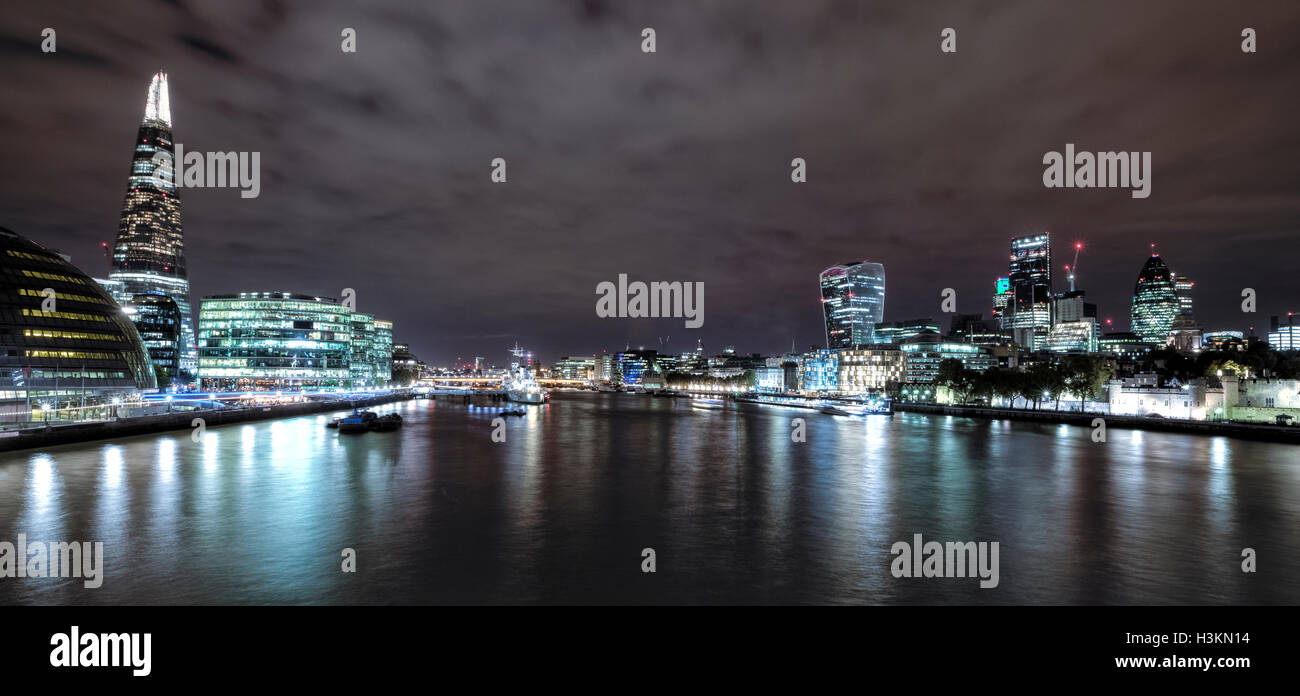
[[406, 367], [820, 371], [158, 320], [581, 367], [853, 302], [866, 370], [923, 355], [634, 365], [605, 368], [1198, 400], [149, 254], [274, 340], [1155, 302], [904, 330], [69, 360], [382, 353], [770, 379], [1030, 281], [1273, 401], [1283, 334]]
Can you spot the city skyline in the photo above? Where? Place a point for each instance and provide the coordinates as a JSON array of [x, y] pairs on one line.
[[920, 187]]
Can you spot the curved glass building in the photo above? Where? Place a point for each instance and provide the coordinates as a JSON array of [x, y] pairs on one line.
[[1155, 302], [853, 302], [66, 350]]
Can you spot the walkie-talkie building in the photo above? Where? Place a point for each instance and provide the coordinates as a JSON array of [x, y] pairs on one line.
[[853, 302], [149, 256]]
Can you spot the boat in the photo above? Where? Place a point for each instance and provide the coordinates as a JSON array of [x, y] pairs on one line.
[[334, 423], [513, 412], [387, 422], [835, 411], [519, 384], [357, 422], [707, 403]]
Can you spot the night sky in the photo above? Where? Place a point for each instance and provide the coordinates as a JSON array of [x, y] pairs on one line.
[[668, 166]]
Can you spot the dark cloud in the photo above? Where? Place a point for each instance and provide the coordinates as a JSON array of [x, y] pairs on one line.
[[671, 166]]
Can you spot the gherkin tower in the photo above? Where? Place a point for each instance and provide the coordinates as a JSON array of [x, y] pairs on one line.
[[1155, 302]]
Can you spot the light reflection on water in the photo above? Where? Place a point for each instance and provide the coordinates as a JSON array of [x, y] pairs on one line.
[[736, 511]]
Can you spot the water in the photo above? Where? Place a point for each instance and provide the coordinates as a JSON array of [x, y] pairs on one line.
[[735, 511]]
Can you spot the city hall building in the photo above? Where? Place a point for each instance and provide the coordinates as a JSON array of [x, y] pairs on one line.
[[66, 350]]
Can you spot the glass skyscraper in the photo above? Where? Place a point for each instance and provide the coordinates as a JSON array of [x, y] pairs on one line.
[[149, 256], [1029, 306], [853, 302], [1155, 302]]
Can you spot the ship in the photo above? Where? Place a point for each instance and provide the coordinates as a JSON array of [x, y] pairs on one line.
[[519, 384]]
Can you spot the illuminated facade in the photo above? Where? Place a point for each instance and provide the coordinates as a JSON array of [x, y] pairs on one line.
[[73, 355], [149, 255], [1030, 279], [575, 368], [1283, 334], [1155, 302], [853, 302], [820, 371], [904, 330], [1078, 336], [273, 341], [870, 370], [1001, 300], [923, 358]]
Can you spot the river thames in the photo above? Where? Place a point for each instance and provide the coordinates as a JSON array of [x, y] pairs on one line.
[[735, 511]]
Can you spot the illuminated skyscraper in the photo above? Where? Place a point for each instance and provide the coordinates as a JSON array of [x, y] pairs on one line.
[[1155, 302], [1029, 307], [853, 302], [1001, 299], [149, 256]]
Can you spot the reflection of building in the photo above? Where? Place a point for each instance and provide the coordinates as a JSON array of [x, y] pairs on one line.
[[853, 302], [1155, 302], [158, 320], [870, 370], [1283, 335], [1031, 290], [149, 255], [79, 350], [274, 340]]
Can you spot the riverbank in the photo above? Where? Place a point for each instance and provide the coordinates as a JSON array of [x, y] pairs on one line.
[[1249, 431], [28, 438]]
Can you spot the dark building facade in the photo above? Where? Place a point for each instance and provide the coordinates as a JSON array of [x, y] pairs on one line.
[[158, 320], [66, 348], [1029, 307], [149, 255]]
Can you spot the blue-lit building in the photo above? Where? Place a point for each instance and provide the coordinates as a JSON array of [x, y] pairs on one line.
[[820, 371], [853, 302]]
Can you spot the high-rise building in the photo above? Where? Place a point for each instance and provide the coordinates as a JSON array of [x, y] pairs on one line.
[[1183, 288], [904, 329], [1030, 279], [158, 320], [853, 302], [1001, 299], [149, 256], [1155, 302], [1284, 335]]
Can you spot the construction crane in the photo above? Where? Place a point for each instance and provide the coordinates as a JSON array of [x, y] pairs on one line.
[[1074, 266]]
